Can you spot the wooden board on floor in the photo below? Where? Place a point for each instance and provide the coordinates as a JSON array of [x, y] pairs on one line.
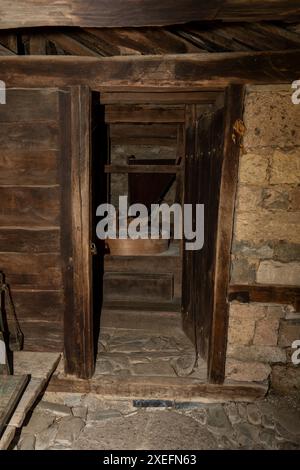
[[165, 388], [11, 389]]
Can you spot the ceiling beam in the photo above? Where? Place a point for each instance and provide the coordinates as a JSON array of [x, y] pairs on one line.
[[136, 13], [215, 70]]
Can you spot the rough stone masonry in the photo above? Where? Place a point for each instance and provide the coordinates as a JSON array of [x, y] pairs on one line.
[[266, 244]]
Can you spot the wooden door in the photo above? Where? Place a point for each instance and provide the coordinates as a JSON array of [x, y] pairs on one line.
[[45, 219], [212, 152]]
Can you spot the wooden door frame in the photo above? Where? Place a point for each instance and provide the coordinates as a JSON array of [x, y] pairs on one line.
[[194, 72], [234, 105], [76, 229]]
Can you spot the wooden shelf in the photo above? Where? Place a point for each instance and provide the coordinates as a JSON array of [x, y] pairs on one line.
[[266, 294]]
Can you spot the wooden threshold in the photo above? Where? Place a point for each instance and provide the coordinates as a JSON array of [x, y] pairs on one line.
[[161, 388]]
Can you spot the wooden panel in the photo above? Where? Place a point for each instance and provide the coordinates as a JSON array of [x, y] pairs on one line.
[[26, 135], [140, 72], [30, 105], [28, 167], [138, 286], [211, 178], [202, 182], [11, 389], [164, 97], [30, 240], [35, 271], [143, 134], [118, 13], [140, 114], [147, 264], [29, 206], [38, 305], [42, 336]]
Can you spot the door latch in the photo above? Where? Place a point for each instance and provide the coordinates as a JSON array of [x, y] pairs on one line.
[[93, 249]]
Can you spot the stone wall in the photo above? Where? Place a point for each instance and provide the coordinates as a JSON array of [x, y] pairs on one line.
[[266, 242]]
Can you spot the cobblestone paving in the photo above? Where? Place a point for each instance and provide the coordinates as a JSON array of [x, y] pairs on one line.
[[75, 421]]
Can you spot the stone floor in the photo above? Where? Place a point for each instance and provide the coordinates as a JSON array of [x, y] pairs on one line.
[[124, 352], [76, 421]]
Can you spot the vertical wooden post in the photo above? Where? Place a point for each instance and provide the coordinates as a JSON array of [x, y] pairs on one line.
[[234, 103], [76, 236]]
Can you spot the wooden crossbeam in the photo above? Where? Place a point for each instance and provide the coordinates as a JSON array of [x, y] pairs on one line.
[[169, 169], [196, 71]]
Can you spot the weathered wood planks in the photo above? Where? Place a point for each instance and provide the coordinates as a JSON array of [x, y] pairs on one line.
[[209, 71], [11, 389], [122, 13]]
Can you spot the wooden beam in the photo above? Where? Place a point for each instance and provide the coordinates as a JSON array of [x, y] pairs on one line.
[[159, 388], [191, 70], [133, 13], [137, 41], [144, 114], [158, 97], [169, 169], [265, 294], [70, 45], [101, 13]]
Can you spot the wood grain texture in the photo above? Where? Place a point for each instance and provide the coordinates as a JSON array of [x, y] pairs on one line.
[[180, 389], [27, 105], [103, 13], [11, 389], [43, 335], [32, 271], [143, 134], [30, 240], [234, 105], [141, 114], [138, 286], [76, 234], [175, 71], [29, 206], [39, 305], [28, 167], [20, 135], [163, 97], [122, 13], [265, 294]]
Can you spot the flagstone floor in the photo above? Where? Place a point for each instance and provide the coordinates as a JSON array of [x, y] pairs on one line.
[[77, 421]]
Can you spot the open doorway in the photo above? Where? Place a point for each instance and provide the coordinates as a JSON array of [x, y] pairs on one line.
[[161, 305]]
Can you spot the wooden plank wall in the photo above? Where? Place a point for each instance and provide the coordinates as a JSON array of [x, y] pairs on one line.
[[30, 211]]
